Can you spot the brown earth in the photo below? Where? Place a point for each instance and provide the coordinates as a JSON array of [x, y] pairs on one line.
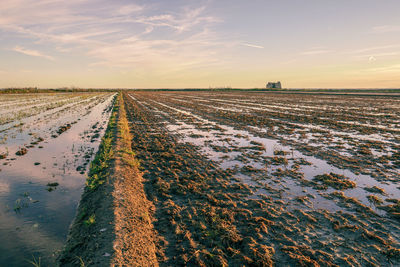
[[206, 217], [134, 243], [113, 225], [185, 210]]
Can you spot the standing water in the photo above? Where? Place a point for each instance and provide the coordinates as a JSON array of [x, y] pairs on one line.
[[40, 190]]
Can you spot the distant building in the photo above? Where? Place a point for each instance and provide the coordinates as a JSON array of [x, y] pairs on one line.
[[272, 85]]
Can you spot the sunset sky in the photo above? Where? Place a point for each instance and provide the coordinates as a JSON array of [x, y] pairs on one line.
[[200, 44]]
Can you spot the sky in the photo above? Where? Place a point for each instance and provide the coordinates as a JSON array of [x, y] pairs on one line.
[[200, 44]]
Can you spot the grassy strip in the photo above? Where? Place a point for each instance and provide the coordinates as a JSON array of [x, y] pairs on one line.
[[87, 241], [124, 136], [99, 167]]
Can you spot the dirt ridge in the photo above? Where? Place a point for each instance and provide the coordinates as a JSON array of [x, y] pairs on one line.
[[113, 225], [134, 244]]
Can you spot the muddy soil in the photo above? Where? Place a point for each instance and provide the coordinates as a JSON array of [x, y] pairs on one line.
[[235, 179], [238, 201]]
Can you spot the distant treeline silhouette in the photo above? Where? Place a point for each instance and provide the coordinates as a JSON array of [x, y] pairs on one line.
[[32, 90]]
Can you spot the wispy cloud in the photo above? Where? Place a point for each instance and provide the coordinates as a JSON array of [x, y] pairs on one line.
[[185, 21], [372, 54], [386, 28], [196, 50], [316, 52], [253, 45], [115, 35], [130, 9], [386, 69], [374, 49], [31, 52]]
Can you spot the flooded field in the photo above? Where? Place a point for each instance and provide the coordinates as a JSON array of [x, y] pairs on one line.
[[200, 178], [257, 178], [47, 141]]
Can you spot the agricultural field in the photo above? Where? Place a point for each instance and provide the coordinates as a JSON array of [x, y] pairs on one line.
[[46, 143], [254, 178], [201, 178]]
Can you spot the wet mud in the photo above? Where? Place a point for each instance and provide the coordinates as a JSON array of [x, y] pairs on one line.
[[237, 185]]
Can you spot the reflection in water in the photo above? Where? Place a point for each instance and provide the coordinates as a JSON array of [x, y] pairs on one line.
[[34, 219]]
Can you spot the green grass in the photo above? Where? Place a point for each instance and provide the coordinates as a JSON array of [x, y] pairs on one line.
[[34, 262], [91, 220], [99, 166]]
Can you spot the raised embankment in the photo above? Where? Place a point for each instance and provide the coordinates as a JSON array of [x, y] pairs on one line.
[[113, 225]]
